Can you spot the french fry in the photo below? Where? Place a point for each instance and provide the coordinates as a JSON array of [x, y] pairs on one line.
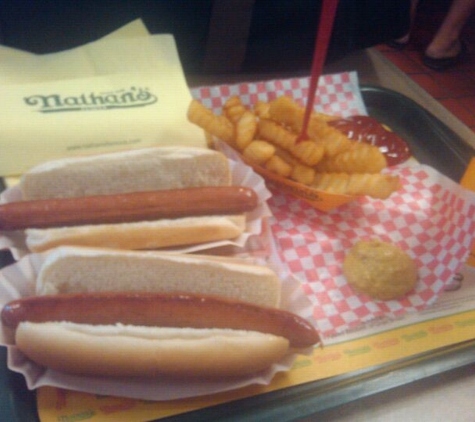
[[259, 151], [245, 129], [363, 158], [308, 152], [218, 126], [286, 156], [332, 182], [276, 134], [279, 166], [233, 109], [377, 185], [303, 174], [286, 111], [261, 109], [334, 141]]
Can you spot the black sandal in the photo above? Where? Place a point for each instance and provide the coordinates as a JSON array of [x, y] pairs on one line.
[[447, 62]]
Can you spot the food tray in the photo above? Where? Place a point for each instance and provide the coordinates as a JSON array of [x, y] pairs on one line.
[[432, 143]]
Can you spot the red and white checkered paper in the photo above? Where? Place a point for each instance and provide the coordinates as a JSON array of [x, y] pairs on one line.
[[431, 217], [337, 94]]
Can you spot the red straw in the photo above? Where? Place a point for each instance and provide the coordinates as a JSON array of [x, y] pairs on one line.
[[325, 26]]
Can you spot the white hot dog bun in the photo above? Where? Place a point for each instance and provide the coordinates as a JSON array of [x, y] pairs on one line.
[[156, 234], [148, 351], [142, 170], [145, 169], [78, 270]]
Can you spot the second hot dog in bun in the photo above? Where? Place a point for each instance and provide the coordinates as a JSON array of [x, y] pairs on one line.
[[137, 334], [142, 199], [108, 318], [171, 310]]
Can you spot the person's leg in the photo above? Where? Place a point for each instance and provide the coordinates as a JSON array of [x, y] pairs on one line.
[[446, 42], [413, 10]]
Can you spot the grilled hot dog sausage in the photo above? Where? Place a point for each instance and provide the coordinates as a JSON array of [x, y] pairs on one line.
[[121, 208], [158, 309]]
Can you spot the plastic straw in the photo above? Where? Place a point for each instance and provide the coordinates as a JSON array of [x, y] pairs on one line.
[[325, 26]]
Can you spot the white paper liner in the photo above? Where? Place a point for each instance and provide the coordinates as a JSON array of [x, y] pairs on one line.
[[430, 217], [242, 175], [18, 280]]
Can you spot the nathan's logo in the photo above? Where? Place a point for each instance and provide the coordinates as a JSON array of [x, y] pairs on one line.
[[133, 97]]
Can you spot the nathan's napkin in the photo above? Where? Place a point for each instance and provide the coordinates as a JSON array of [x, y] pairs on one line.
[[126, 90]]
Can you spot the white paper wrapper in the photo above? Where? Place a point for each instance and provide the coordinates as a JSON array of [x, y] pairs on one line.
[[431, 218], [242, 175], [18, 280]]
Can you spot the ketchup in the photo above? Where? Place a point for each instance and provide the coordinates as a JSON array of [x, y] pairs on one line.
[[360, 128], [369, 130]]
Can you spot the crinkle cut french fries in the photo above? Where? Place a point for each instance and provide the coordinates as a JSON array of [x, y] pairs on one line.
[[266, 135]]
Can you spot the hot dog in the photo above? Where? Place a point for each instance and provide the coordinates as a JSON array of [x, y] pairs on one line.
[[128, 207], [161, 310], [166, 197], [113, 322], [185, 335]]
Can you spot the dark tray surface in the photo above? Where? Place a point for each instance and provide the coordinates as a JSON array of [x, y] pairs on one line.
[[431, 141]]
